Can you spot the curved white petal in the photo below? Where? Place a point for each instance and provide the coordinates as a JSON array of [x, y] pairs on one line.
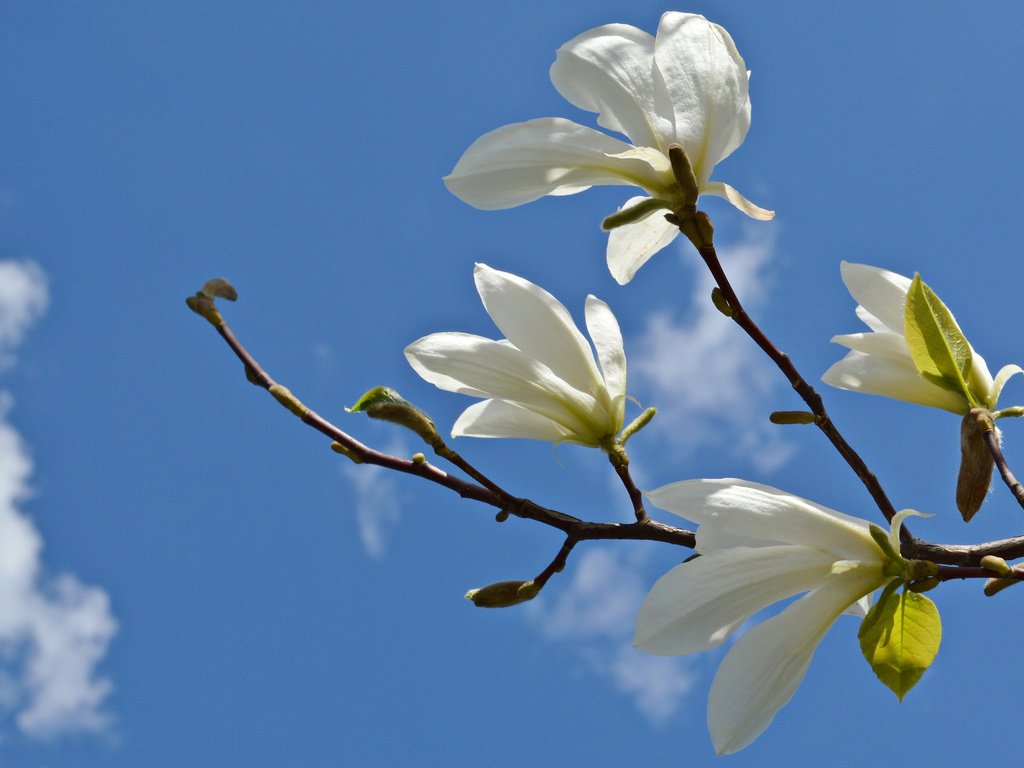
[[522, 162], [745, 509], [721, 189], [890, 378], [539, 326], [473, 365], [880, 292], [707, 84], [884, 343], [1005, 374], [763, 669], [607, 336], [697, 605], [497, 418], [630, 247], [980, 383], [610, 70]]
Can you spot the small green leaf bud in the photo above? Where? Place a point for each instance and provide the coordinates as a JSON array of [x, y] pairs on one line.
[[503, 594], [996, 565], [419, 458], [502, 516], [386, 404], [995, 586], [976, 462], [284, 396], [344, 450], [792, 417], [917, 570], [720, 302], [924, 585], [219, 288]]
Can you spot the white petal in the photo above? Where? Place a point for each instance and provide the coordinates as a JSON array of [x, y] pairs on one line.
[[696, 605], [1004, 375], [885, 344], [607, 336], [745, 509], [881, 292], [610, 70], [525, 161], [473, 365], [707, 82], [496, 418], [720, 189], [630, 247], [539, 326], [880, 376], [764, 668]]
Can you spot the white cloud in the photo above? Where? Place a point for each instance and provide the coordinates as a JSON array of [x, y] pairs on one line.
[[23, 299], [595, 611], [376, 503], [54, 630], [709, 382]]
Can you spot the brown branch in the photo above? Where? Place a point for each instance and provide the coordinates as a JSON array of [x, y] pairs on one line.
[[620, 461], [991, 438], [487, 492]]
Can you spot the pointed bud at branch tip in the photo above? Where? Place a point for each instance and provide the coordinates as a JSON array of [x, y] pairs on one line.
[[996, 565], [503, 594], [344, 450], [720, 302], [284, 396], [637, 424], [219, 288], [792, 417], [633, 214], [976, 462]]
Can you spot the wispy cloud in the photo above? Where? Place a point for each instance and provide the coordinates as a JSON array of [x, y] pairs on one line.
[[54, 631], [595, 611], [376, 503], [710, 383]]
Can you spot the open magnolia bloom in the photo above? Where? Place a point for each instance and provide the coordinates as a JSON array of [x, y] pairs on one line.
[[687, 86], [541, 381], [758, 545], [882, 363]]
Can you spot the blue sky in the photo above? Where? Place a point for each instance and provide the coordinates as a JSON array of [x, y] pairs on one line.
[[190, 578]]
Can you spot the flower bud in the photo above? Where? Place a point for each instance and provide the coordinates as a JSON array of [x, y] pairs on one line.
[[976, 462], [995, 586], [792, 417], [503, 594], [996, 565]]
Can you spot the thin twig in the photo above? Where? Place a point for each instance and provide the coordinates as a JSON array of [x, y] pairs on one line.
[[991, 438], [557, 564], [577, 529]]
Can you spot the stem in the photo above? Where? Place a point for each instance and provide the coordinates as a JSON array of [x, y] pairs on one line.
[[557, 564], [806, 392], [991, 438], [620, 461]]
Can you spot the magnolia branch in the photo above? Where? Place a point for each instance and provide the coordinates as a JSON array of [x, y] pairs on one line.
[[486, 491]]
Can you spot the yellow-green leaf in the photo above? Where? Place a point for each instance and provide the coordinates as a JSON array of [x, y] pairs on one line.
[[900, 637], [939, 349]]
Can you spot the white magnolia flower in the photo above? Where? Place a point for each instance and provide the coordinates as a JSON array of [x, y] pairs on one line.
[[541, 381], [880, 363], [687, 86], [758, 546]]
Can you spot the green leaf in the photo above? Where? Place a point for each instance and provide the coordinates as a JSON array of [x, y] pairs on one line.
[[900, 637], [939, 349], [377, 396]]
